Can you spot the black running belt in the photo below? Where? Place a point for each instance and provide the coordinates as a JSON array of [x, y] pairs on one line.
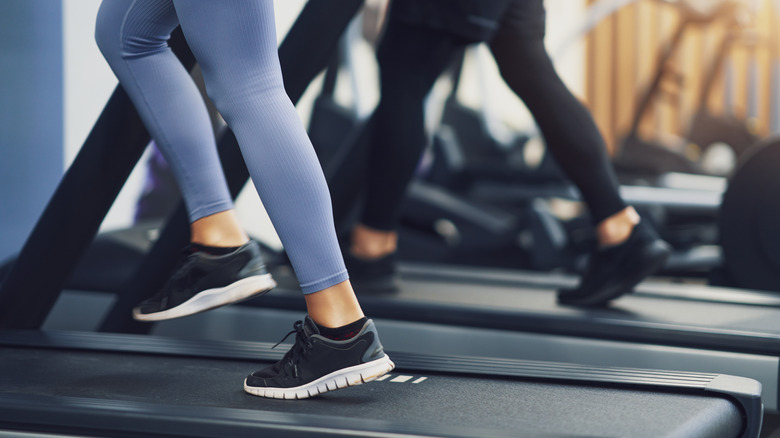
[[129, 385], [650, 329], [468, 297], [522, 279]]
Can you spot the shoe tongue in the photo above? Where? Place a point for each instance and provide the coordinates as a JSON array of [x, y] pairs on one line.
[[310, 327]]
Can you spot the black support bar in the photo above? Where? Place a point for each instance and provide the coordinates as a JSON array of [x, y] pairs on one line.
[[77, 208]]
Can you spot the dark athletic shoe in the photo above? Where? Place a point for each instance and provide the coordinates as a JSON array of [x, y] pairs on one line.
[[372, 275], [203, 281], [315, 364], [614, 271]]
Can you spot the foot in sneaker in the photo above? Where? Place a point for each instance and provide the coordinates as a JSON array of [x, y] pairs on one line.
[[614, 271], [203, 281], [372, 275], [316, 364]]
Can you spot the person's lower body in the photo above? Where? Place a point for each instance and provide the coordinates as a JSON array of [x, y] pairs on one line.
[[241, 68], [411, 58], [573, 138], [176, 116]]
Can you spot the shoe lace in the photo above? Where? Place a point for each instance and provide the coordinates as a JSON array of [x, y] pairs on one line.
[[289, 363]]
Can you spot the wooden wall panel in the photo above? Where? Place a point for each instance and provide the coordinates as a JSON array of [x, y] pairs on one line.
[[646, 60], [599, 81], [622, 57], [624, 69]]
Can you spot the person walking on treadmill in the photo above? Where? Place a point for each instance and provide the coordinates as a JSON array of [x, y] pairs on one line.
[[421, 39], [234, 42]]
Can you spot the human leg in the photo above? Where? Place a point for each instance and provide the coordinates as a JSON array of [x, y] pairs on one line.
[[411, 58], [221, 266], [627, 252], [165, 96], [241, 67], [219, 230], [570, 133]]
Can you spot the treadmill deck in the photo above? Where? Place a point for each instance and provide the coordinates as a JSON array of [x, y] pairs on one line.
[[404, 402]]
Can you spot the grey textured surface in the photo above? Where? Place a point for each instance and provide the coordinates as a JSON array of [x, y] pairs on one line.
[[530, 408]]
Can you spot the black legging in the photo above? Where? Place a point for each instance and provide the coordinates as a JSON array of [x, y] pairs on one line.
[[411, 58]]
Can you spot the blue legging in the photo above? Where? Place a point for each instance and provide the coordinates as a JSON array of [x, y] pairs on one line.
[[234, 42]]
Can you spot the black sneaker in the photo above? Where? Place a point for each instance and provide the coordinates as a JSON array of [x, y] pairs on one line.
[[315, 364], [203, 281], [372, 275], [614, 271]]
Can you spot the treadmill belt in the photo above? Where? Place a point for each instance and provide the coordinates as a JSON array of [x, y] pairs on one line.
[[467, 297], [444, 404]]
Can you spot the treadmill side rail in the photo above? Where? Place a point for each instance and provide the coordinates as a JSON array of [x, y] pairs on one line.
[[747, 392]]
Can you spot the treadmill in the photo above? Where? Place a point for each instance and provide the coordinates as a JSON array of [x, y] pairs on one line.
[[110, 384], [113, 385], [498, 313], [514, 315], [83, 383]]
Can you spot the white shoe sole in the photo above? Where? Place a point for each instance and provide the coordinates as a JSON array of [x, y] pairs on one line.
[[338, 379], [212, 298]]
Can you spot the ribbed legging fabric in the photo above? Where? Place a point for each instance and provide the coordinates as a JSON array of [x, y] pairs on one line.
[[234, 41]]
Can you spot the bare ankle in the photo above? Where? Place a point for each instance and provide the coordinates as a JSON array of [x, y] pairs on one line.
[[335, 306], [372, 244], [617, 228], [220, 229]]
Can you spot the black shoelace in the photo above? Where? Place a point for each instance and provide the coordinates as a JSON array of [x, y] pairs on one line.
[[298, 351]]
